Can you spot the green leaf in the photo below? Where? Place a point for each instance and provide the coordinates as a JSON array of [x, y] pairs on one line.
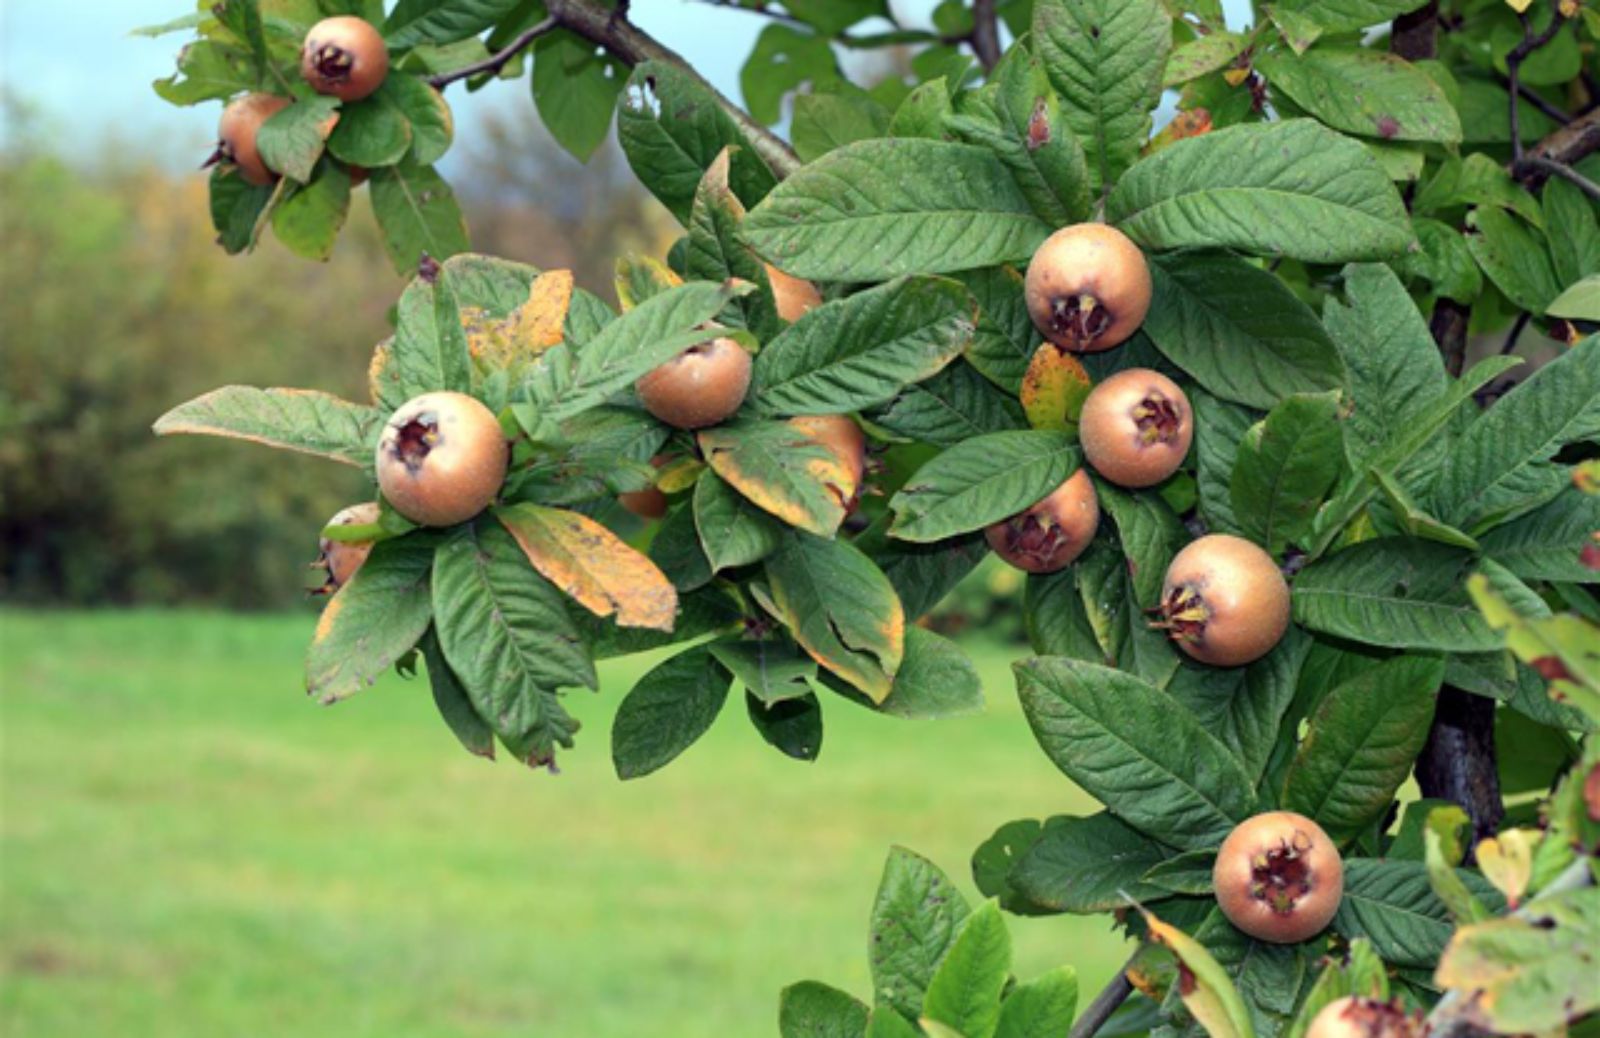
[[1005, 339], [823, 122], [672, 130], [453, 703], [1120, 739], [645, 337], [1573, 230], [1557, 405], [811, 1009], [792, 726], [429, 351], [441, 21], [1392, 904], [1219, 429], [1189, 873], [841, 608], [1040, 1008], [1293, 188], [783, 59], [954, 405], [676, 551], [238, 210], [1362, 741], [1395, 372], [1548, 544], [717, 251], [772, 668], [1365, 92], [1245, 706], [1201, 55], [575, 90], [923, 112], [1413, 519], [877, 209], [1105, 58], [667, 711], [1206, 989], [1088, 865], [1395, 592], [981, 481], [292, 140], [1476, 180], [780, 470], [309, 218], [506, 633], [732, 531], [207, 71], [291, 419], [1022, 123], [1239, 330], [375, 619], [964, 993], [922, 574], [1580, 302], [859, 351], [1444, 261], [1485, 109], [1345, 15], [373, 132], [1286, 465], [915, 919], [936, 679], [432, 125], [418, 215], [1514, 257], [886, 1023], [1150, 534]]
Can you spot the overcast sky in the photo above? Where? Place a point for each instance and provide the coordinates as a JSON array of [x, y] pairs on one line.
[[75, 60]]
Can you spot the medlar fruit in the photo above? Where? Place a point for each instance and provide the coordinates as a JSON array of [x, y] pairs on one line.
[[237, 133], [701, 386], [344, 57], [1054, 532], [1136, 427], [342, 558], [441, 459], [1087, 287], [1278, 877], [1225, 601]]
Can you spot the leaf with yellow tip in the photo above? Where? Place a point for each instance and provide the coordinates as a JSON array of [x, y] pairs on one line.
[[531, 329], [1054, 389], [679, 475], [593, 566], [640, 277], [782, 471], [1207, 992], [1564, 649]]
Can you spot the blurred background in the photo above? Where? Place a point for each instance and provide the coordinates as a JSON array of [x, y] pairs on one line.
[[190, 847]]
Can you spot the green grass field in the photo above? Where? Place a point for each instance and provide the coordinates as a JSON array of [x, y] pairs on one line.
[[190, 847]]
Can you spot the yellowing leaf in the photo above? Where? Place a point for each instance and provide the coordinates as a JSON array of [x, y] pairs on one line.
[[534, 327], [1564, 649], [679, 475], [782, 471], [1507, 862], [1519, 6], [640, 277], [1054, 389], [593, 566], [1203, 984]]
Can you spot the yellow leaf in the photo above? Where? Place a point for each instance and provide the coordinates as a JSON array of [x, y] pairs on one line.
[[1519, 6], [679, 475], [1207, 993], [531, 329], [1054, 389], [783, 471], [593, 566], [1507, 862]]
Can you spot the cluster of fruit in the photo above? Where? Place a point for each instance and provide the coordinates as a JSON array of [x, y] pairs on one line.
[[343, 57]]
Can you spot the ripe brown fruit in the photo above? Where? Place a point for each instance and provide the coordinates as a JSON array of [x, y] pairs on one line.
[[1054, 532], [344, 57], [1355, 1017], [1136, 427], [237, 132], [793, 295], [1088, 287], [1278, 877], [701, 386], [343, 558], [1224, 601], [649, 503], [843, 437], [441, 459]]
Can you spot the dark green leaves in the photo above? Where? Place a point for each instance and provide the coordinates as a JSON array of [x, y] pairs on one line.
[[418, 214], [441, 21], [1105, 58], [1392, 904], [1120, 739], [294, 419], [1363, 739], [291, 141], [374, 620], [1085, 865], [575, 90], [878, 209], [811, 1009], [671, 706], [1238, 330], [1293, 188], [857, 352], [1395, 592], [1365, 92], [915, 919], [1285, 465], [981, 481]]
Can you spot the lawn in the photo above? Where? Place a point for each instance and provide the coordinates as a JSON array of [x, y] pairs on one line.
[[190, 847]]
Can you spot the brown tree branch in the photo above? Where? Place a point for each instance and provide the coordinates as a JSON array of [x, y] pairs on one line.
[[497, 61], [632, 46], [1457, 762], [1530, 42], [1099, 1011], [986, 33], [1565, 147]]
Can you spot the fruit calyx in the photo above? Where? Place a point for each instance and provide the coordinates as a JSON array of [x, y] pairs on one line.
[[416, 439], [1280, 876], [1079, 319], [333, 63], [1158, 419], [1035, 539], [1184, 615]]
